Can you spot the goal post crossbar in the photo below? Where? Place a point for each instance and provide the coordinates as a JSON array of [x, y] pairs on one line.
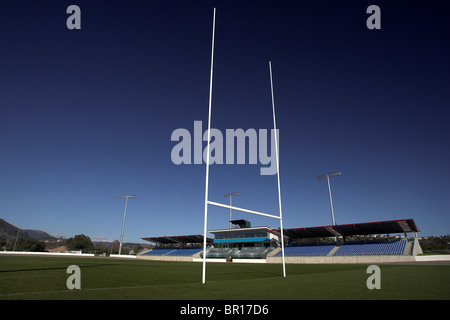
[[243, 210]]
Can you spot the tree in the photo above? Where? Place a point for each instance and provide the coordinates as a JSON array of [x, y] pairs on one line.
[[100, 248], [115, 247], [25, 244], [3, 242], [434, 244], [80, 242]]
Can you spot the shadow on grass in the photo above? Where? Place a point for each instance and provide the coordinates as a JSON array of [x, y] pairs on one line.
[[79, 265]]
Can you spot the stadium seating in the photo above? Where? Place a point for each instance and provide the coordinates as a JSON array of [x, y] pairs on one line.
[[381, 248], [319, 250], [185, 252], [173, 252], [158, 252], [250, 253], [235, 253], [217, 252], [348, 249]]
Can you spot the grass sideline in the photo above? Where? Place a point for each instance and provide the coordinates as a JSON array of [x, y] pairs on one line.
[[31, 277]]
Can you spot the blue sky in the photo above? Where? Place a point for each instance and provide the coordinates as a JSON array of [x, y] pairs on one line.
[[86, 115]]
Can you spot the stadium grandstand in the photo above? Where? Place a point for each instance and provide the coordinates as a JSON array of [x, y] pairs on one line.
[[178, 248], [381, 241]]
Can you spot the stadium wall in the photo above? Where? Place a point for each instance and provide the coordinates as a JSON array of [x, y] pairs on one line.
[[437, 257], [343, 259], [122, 256], [294, 260], [165, 258], [54, 254]]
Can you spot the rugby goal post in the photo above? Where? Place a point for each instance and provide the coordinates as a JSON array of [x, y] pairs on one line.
[[207, 202]]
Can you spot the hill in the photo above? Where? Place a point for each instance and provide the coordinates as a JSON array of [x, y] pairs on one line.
[[38, 235], [10, 231]]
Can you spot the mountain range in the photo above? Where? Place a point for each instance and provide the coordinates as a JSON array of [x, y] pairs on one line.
[[10, 231]]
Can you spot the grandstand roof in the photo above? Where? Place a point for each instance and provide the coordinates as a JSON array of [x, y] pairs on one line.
[[379, 227], [177, 239]]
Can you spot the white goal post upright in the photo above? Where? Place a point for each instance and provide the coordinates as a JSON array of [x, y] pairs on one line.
[[207, 202], [278, 168], [205, 227]]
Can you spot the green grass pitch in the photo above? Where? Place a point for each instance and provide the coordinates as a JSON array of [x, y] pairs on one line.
[[31, 277]]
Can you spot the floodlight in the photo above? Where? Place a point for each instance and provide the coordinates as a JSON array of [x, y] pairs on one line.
[[331, 174], [127, 196], [226, 195]]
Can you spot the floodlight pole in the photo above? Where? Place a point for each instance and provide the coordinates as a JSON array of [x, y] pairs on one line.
[[17, 237], [126, 196], [328, 175], [231, 195], [331, 201]]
